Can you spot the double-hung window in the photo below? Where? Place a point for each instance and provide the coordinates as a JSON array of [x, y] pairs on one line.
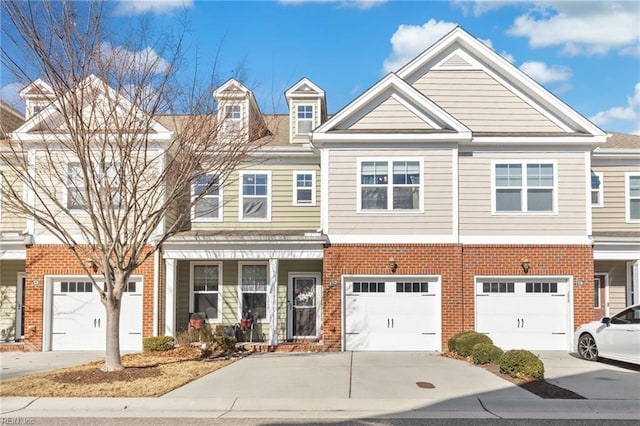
[[632, 192], [253, 290], [206, 289], [304, 188], [75, 187], [208, 207], [399, 192], [255, 203], [524, 187], [304, 119], [232, 118], [110, 182], [597, 187]]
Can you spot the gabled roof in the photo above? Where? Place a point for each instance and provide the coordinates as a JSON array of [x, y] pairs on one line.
[[437, 123], [101, 92], [232, 88], [37, 88], [460, 50], [304, 88]]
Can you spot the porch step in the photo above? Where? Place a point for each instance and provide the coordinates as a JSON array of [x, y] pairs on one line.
[[283, 347], [12, 347]]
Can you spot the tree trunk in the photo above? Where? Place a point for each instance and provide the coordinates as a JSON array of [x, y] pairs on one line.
[[112, 358]]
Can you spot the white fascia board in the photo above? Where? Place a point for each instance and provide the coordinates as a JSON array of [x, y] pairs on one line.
[[13, 253], [386, 138], [290, 93], [232, 81], [616, 152], [526, 239], [618, 252], [392, 239], [540, 140], [244, 254]]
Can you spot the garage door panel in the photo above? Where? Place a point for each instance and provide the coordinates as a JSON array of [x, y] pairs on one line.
[[528, 315], [394, 315]]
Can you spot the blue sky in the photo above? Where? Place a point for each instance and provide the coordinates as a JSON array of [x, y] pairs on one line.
[[587, 53]]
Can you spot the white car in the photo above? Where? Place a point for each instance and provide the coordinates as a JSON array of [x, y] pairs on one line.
[[615, 338]]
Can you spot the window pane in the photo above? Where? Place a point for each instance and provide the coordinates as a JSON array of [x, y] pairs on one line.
[[595, 181], [406, 172], [304, 180], [254, 304], [255, 208], [540, 200], [207, 303], [508, 175], [634, 186], [205, 278], [202, 182], [508, 200], [634, 209], [304, 195], [207, 208], [406, 198], [595, 197], [374, 198], [305, 111], [254, 277], [374, 173], [539, 175]]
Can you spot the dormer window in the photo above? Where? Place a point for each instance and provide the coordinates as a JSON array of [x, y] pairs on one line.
[[232, 118], [305, 119]]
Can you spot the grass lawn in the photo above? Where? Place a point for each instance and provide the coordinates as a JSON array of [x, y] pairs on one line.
[[146, 374]]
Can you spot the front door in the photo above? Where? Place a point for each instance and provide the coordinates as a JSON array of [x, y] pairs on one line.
[[304, 306], [20, 307], [598, 297]]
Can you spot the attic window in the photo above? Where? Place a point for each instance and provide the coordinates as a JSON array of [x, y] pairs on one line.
[[232, 118], [305, 119]]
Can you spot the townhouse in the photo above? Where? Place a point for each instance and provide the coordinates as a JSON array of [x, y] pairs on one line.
[[454, 194]]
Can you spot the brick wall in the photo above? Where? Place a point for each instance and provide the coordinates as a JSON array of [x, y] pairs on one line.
[[55, 259], [457, 265]]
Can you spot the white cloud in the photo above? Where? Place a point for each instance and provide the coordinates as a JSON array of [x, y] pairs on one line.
[[10, 95], [630, 112], [543, 73], [508, 56], [480, 7], [159, 7], [134, 61], [410, 40], [581, 28]]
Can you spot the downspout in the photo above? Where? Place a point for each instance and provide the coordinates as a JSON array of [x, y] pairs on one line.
[[156, 287]]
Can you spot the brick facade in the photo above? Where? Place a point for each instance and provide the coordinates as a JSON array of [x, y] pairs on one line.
[[458, 265], [54, 259]]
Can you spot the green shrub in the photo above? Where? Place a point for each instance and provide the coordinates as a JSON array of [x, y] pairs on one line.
[[157, 343], [521, 364], [225, 343], [464, 344], [451, 343], [484, 353]]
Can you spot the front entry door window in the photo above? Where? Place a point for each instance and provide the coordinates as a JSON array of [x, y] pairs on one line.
[[304, 307], [598, 297]]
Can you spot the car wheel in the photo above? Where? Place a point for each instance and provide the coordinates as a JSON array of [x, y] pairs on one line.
[[587, 347]]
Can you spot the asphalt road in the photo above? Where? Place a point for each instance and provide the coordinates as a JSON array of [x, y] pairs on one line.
[[64, 421]]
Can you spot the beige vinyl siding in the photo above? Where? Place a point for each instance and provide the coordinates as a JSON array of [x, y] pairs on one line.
[[390, 114], [315, 101], [617, 275], [611, 217], [475, 185], [437, 181], [284, 215], [482, 103], [10, 221], [9, 270]]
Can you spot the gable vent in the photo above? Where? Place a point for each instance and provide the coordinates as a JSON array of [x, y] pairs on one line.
[[455, 61]]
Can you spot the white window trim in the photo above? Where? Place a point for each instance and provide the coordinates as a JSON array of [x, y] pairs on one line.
[[192, 293], [266, 292], [524, 187], [202, 219], [241, 197], [232, 125], [295, 187], [627, 197], [312, 119], [600, 202], [389, 209]]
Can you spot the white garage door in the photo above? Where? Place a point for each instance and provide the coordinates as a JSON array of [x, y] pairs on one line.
[[399, 315], [524, 314], [79, 318]]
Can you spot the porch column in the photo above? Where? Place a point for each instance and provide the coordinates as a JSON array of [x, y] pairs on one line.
[[170, 298], [635, 282], [272, 301]]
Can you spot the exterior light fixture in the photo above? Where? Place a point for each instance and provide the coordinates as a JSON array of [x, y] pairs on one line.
[[392, 264], [93, 265], [526, 264]]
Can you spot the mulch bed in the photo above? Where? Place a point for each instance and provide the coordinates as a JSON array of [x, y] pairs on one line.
[[98, 376]]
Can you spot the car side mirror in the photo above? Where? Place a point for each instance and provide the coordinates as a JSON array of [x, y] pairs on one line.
[[606, 321]]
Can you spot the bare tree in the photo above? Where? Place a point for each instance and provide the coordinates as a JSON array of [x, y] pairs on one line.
[[100, 173]]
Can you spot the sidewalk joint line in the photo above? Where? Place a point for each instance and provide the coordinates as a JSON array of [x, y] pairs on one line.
[[487, 410], [233, 404], [350, 373], [21, 408]]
